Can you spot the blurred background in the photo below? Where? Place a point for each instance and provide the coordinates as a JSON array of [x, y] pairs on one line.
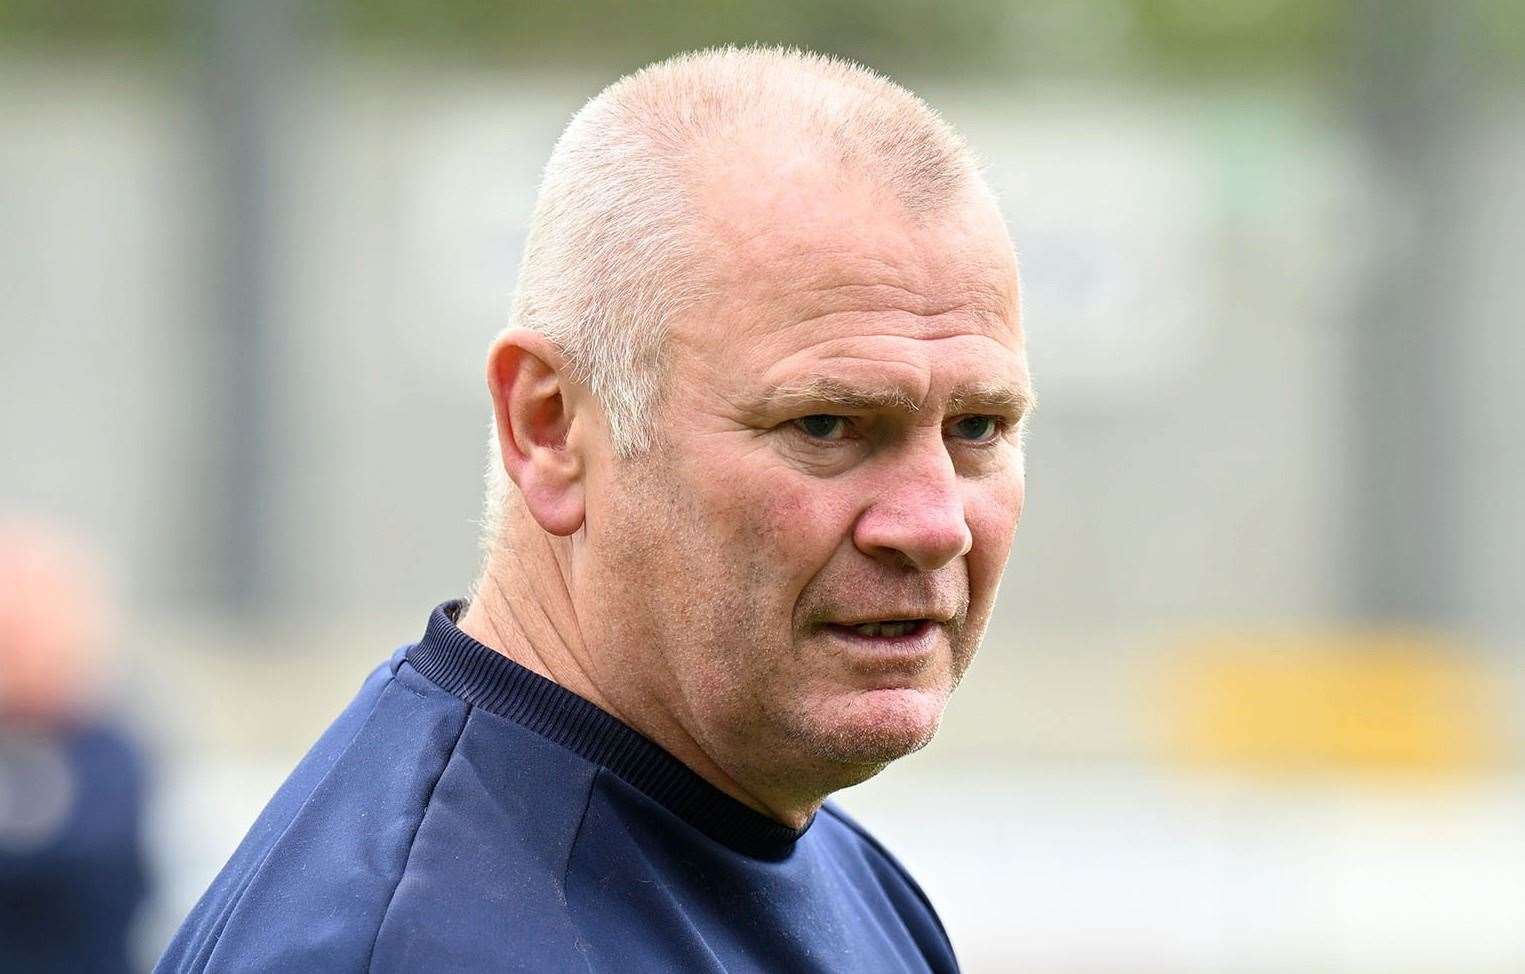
[[1252, 698]]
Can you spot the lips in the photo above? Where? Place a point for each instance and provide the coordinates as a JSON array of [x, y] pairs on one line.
[[898, 617], [888, 628], [892, 621], [887, 652], [886, 632]]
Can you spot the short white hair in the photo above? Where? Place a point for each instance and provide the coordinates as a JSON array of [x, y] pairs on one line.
[[614, 252]]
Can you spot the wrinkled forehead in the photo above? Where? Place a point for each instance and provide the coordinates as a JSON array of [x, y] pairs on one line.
[[806, 250]]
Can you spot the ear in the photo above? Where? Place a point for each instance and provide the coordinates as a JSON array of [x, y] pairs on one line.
[[535, 410]]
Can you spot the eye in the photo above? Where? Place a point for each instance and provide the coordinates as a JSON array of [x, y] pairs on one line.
[[821, 426], [976, 429]]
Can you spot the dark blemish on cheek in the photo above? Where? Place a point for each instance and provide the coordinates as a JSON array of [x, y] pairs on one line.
[[809, 510], [790, 515], [784, 509]]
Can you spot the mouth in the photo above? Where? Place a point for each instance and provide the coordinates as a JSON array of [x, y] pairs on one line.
[[898, 642], [888, 653], [883, 629]]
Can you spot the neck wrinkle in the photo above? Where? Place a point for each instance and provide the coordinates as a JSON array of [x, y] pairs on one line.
[[515, 621]]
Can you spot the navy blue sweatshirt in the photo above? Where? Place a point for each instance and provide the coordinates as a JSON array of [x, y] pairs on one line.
[[466, 814], [70, 887]]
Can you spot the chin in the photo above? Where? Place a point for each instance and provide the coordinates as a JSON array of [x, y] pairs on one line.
[[874, 727]]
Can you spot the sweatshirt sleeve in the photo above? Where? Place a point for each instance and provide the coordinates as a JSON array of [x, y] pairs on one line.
[[308, 887]]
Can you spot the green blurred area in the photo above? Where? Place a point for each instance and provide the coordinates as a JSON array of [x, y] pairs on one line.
[[1159, 37]]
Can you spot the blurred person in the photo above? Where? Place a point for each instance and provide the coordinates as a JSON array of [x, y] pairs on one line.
[[756, 469], [72, 873]]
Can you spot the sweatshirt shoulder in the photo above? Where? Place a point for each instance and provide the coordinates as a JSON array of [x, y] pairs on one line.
[[902, 894], [309, 885]]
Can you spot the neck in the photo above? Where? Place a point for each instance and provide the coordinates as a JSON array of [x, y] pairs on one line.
[[524, 609]]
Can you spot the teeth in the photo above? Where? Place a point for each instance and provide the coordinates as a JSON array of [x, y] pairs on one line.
[[884, 628]]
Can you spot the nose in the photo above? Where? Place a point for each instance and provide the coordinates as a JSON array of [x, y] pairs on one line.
[[915, 517]]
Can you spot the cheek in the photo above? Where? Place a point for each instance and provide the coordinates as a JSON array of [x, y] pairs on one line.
[[992, 513], [788, 522]]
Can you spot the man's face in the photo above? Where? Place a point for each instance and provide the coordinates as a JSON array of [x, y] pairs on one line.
[[802, 568]]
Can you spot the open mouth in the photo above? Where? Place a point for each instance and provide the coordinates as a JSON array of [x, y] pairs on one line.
[[884, 629]]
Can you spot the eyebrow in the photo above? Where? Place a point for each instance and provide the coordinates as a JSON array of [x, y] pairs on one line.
[[827, 391], [1014, 401], [1001, 398]]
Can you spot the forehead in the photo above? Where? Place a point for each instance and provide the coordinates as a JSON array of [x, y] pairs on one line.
[[810, 271]]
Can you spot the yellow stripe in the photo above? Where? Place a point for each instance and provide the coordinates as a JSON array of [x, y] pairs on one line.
[[1354, 702]]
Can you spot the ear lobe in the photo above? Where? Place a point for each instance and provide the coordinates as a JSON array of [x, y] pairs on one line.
[[535, 415]]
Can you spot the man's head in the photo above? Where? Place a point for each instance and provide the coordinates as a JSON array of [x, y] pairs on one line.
[[54, 618], [762, 406]]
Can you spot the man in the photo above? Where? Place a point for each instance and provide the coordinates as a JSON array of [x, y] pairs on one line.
[[760, 411], [72, 779]]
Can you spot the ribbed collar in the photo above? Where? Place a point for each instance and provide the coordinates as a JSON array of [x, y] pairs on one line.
[[486, 678]]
